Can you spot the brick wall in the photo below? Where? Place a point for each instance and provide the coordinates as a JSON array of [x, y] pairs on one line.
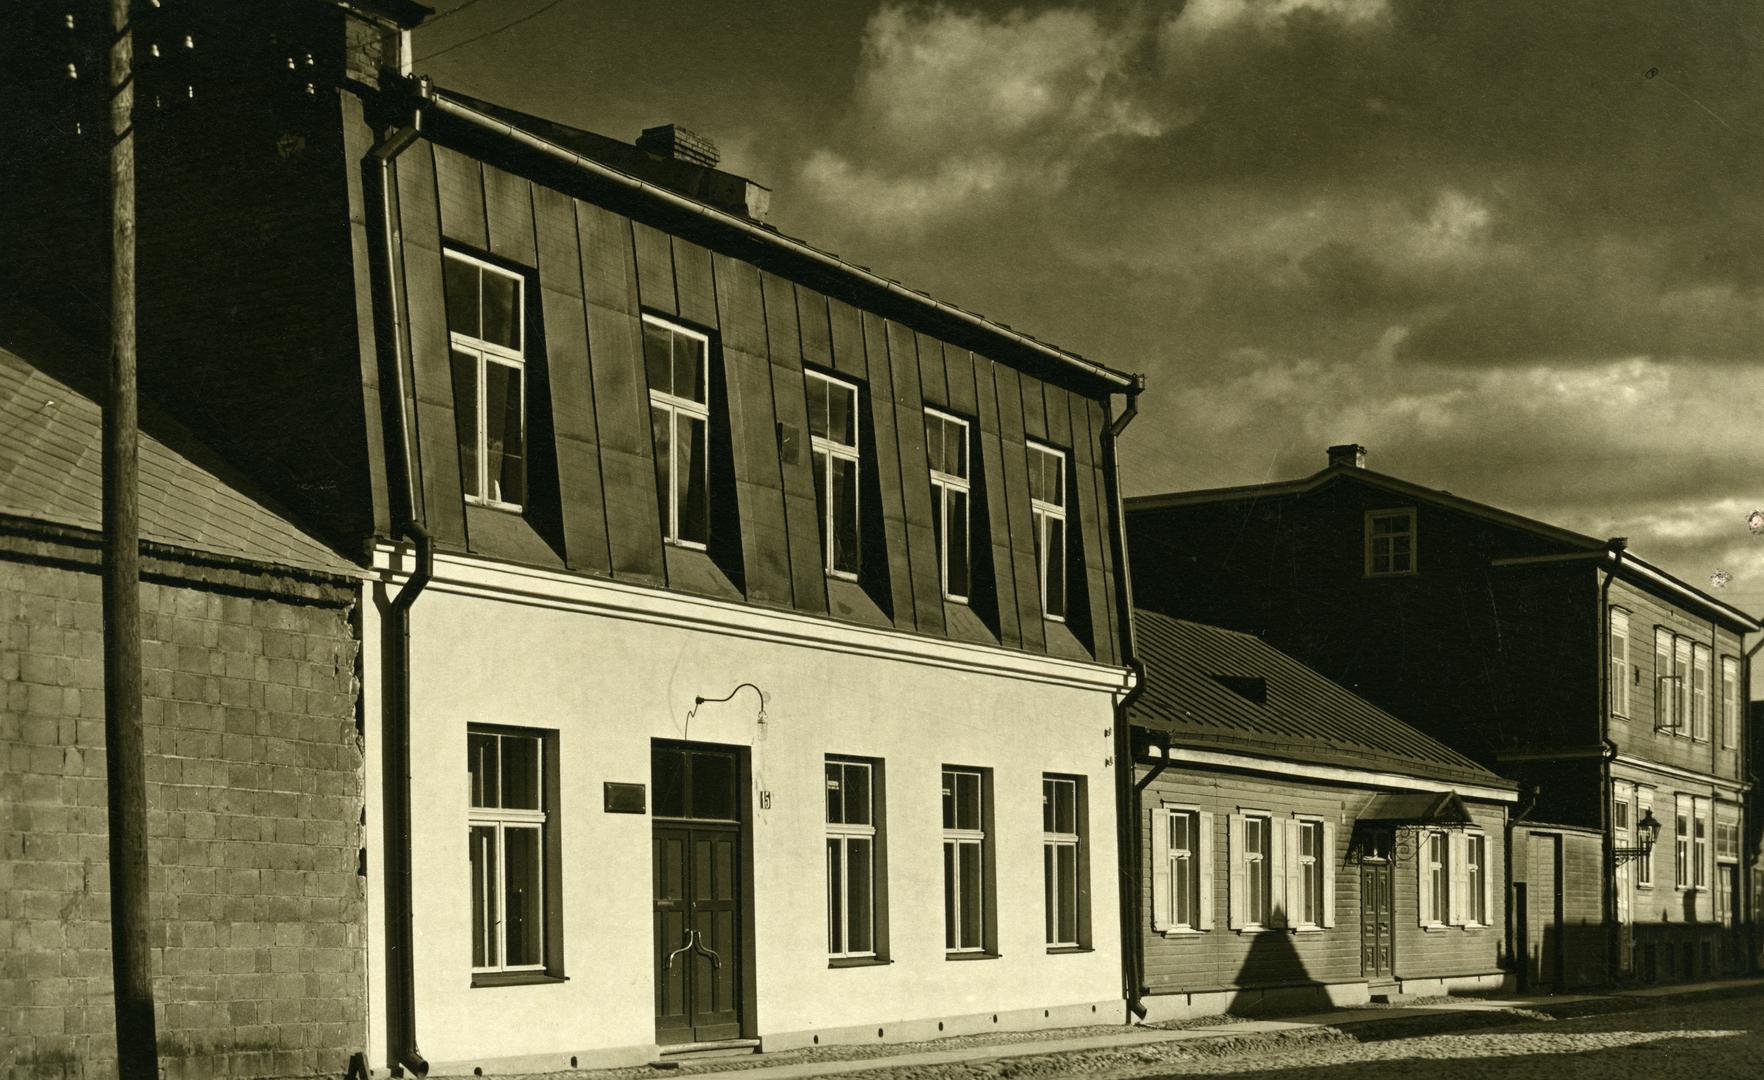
[[255, 800]]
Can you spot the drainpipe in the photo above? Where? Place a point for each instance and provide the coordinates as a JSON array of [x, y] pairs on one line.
[[1126, 794], [1608, 751], [395, 719], [1746, 805]]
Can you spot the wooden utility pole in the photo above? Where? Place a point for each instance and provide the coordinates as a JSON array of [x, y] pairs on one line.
[[137, 1041]]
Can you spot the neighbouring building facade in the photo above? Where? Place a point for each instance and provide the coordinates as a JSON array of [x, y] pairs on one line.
[[1603, 684], [254, 757], [1300, 846], [744, 636]]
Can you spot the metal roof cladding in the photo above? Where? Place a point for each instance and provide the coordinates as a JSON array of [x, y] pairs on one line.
[[1304, 716], [49, 472]]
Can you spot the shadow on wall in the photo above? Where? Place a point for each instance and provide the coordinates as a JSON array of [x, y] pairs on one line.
[[1274, 976]]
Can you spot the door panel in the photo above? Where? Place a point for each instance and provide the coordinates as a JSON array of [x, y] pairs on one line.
[[698, 894], [1377, 926]]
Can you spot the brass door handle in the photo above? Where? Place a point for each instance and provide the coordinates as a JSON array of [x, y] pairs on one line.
[[691, 936], [698, 943]]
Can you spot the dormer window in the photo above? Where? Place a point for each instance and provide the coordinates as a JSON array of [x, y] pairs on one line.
[[1047, 513], [833, 441], [678, 364], [1390, 542], [946, 450], [485, 325]]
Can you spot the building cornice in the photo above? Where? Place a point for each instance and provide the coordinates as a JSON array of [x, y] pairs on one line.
[[1708, 780], [534, 587], [1335, 774]]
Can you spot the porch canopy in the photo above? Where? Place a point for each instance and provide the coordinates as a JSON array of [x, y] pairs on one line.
[[1436, 809]]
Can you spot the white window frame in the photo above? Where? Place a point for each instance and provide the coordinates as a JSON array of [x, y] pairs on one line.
[[1666, 716], [502, 820], [1051, 844], [1618, 643], [488, 353], [1310, 893], [1258, 869], [1407, 515], [1730, 710], [841, 835], [1681, 677], [1725, 828], [1700, 675], [1041, 514], [1182, 876], [1477, 893], [676, 407], [1434, 878], [942, 484], [1701, 829], [1681, 842], [955, 839], [829, 448]]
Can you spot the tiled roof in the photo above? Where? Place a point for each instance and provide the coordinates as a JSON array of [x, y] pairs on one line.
[[49, 472], [1302, 716]]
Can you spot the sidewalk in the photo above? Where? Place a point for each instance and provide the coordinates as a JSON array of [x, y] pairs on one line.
[[1430, 1017]]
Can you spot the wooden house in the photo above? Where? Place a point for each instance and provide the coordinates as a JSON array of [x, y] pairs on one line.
[[1299, 845], [744, 637], [1606, 685]]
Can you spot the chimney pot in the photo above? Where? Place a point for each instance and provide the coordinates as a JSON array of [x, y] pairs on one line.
[[678, 143], [1351, 455]]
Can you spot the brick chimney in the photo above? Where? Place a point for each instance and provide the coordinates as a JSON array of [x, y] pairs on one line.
[[676, 142], [1348, 455]]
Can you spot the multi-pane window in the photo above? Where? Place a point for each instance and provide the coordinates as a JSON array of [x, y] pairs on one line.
[[1700, 843], [1619, 644], [946, 450], [1727, 840], [1475, 878], [507, 849], [1311, 860], [677, 361], [1681, 845], [1390, 542], [1681, 684], [1730, 710], [486, 331], [1700, 693], [1258, 869], [851, 858], [1047, 508], [964, 860], [1436, 865], [833, 442], [1183, 831], [1060, 841], [1666, 716]]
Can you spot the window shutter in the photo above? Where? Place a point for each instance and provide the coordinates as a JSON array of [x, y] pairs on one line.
[[1276, 872], [1457, 871], [1293, 888], [1488, 883], [1328, 873], [1203, 857], [1239, 883], [1160, 868], [1423, 880]]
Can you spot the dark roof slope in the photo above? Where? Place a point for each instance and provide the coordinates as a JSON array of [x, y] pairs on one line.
[[49, 472], [1190, 672]]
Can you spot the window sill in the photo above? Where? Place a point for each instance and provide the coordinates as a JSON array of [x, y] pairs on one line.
[[1648, 885], [1437, 928], [857, 961], [1066, 950], [971, 956], [1309, 929], [1182, 931], [515, 978]]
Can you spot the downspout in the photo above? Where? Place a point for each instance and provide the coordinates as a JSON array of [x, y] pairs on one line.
[[1747, 810], [1126, 794], [395, 721], [1608, 751]]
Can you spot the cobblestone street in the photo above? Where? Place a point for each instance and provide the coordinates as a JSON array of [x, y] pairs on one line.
[[1707, 1040]]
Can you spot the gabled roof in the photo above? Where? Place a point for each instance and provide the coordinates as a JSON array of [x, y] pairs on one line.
[[1629, 566], [1190, 669], [49, 472]]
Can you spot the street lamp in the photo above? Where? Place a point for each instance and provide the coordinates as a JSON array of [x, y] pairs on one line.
[[1649, 828]]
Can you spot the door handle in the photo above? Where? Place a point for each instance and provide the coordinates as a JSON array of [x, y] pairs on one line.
[[691, 935], [699, 946]]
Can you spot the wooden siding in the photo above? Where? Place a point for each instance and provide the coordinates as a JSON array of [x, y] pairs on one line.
[[594, 272], [1639, 735], [1223, 958]]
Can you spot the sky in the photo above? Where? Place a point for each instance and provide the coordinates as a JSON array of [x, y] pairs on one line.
[[1514, 248]]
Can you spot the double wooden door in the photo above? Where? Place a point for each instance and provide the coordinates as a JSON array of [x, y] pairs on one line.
[[1377, 921], [699, 890]]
